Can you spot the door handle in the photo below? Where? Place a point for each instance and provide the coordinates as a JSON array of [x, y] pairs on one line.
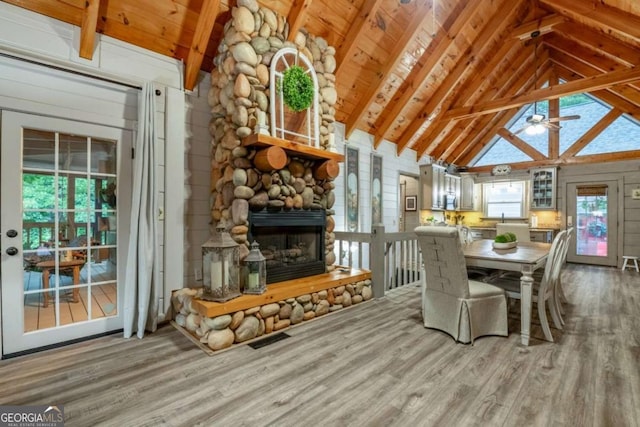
[[12, 250]]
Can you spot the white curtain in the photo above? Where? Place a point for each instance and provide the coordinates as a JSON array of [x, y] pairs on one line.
[[140, 294]]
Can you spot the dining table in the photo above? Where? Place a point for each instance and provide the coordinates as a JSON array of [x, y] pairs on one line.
[[48, 267], [525, 257]]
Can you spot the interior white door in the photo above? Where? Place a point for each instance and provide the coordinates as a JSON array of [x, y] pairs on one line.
[[63, 229], [592, 209]]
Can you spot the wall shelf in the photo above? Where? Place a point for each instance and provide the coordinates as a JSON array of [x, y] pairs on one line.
[[292, 148]]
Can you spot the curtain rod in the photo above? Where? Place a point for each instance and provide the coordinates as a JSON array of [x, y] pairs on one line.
[[68, 70]]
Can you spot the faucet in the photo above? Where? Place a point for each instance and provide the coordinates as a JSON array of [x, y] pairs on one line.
[[503, 217]]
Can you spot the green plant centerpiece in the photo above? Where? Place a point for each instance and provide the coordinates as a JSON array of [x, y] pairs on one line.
[[505, 238], [505, 241], [297, 88]]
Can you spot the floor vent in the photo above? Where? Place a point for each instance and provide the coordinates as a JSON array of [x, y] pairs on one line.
[[269, 340]]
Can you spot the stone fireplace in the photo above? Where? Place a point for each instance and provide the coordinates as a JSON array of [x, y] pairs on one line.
[[292, 242], [278, 192], [252, 173]]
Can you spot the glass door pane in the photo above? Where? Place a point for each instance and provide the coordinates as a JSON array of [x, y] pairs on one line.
[[592, 220], [69, 247]]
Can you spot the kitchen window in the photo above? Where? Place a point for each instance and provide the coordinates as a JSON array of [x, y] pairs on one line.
[[506, 199]]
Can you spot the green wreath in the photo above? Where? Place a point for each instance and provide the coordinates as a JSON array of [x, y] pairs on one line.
[[297, 88]]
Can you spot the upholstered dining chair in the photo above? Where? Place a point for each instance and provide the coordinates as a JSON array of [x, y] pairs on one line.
[[463, 308], [543, 289], [520, 230]]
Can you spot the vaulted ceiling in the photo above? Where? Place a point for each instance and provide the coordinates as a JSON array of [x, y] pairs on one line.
[[442, 77]]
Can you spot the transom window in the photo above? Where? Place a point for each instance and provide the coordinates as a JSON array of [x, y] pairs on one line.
[[507, 198]]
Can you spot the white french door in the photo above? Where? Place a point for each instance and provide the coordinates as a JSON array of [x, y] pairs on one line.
[[63, 229], [592, 209]]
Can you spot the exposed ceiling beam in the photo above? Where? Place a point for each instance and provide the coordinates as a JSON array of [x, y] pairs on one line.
[[598, 15], [579, 160], [543, 25], [467, 141], [464, 131], [521, 144], [443, 97], [486, 127], [204, 26], [605, 95], [492, 81], [588, 62], [88, 28], [417, 79], [592, 133], [297, 17], [586, 84], [395, 57], [628, 92], [588, 56], [599, 42], [346, 49]]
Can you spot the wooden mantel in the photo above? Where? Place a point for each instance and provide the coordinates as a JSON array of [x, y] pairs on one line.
[[293, 148]]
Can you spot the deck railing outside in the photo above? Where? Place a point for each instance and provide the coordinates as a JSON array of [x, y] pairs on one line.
[[37, 233], [393, 258]]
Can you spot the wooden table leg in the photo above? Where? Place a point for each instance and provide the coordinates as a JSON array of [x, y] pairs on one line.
[[45, 286], [76, 280], [526, 297]]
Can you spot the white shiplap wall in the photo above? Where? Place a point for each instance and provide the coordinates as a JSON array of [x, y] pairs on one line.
[[197, 189]]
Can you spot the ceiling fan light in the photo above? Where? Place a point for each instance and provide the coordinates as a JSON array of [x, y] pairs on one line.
[[536, 129]]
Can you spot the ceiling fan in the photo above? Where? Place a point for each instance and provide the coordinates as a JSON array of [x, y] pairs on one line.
[[537, 123]]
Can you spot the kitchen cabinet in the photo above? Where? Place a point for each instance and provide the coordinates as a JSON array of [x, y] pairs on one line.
[[543, 188], [432, 184], [467, 196], [438, 187], [452, 192]]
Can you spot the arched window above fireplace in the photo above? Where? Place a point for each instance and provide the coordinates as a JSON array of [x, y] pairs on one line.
[[304, 126]]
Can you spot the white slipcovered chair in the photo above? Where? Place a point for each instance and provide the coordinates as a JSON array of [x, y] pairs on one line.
[[463, 308], [520, 230]]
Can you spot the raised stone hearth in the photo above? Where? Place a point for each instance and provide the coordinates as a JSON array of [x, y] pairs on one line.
[[221, 325]]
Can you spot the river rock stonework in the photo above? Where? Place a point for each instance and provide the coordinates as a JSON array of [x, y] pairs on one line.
[[239, 91], [225, 330]]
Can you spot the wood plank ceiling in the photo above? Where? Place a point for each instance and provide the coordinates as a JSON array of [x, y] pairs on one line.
[[442, 77]]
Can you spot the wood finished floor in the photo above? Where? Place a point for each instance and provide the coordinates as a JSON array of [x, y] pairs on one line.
[[103, 299], [373, 364]]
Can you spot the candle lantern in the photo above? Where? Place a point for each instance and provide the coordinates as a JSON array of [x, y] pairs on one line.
[[255, 271], [220, 267]]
